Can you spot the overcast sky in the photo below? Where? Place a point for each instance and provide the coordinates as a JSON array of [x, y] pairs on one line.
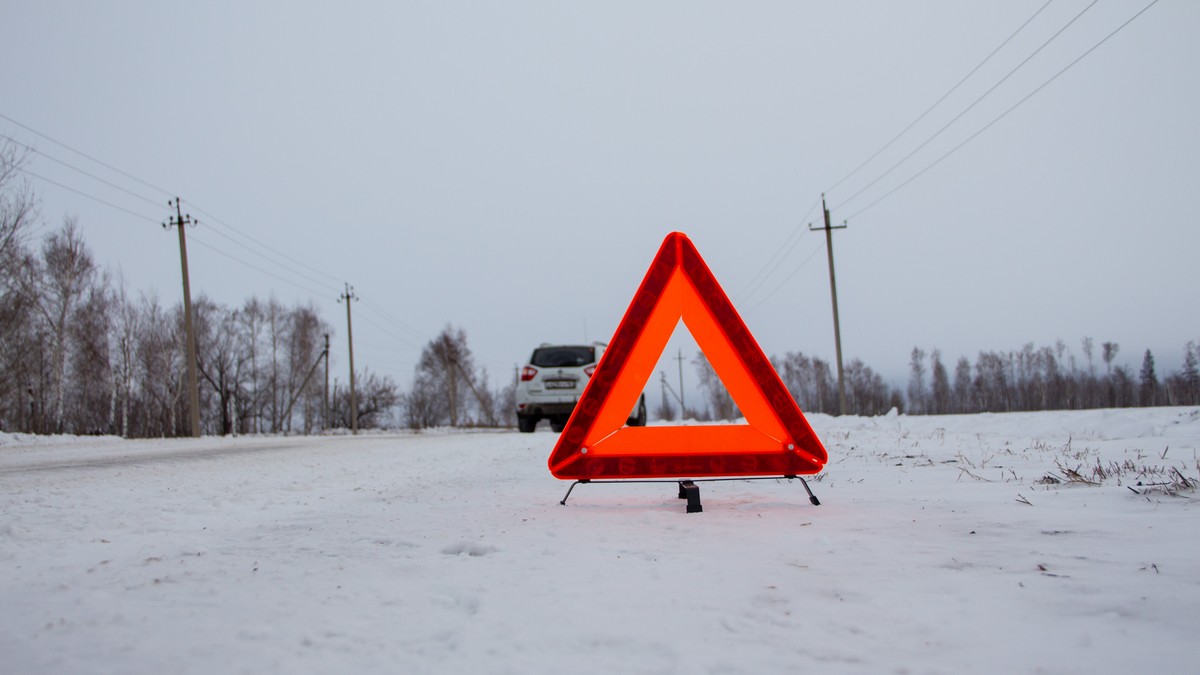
[[512, 167]]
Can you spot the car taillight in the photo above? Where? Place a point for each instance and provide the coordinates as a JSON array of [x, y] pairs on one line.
[[589, 370], [527, 373]]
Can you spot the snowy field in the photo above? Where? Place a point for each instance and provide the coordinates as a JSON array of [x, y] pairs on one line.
[[986, 544]]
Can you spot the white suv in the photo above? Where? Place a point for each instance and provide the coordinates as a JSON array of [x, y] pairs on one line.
[[553, 381]]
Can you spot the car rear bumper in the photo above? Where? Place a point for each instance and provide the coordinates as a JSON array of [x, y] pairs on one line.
[[546, 409]]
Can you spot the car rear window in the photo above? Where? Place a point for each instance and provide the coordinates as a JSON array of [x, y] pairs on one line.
[[562, 357]]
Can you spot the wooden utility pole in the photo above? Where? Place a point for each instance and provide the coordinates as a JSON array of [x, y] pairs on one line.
[[663, 374], [666, 387], [325, 404], [180, 221], [349, 296], [837, 331], [680, 359]]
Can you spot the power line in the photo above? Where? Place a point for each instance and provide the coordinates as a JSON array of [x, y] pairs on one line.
[[231, 228], [400, 324], [1006, 112], [274, 262], [196, 240], [85, 155], [154, 202], [111, 184], [778, 256], [152, 220], [939, 101], [93, 176], [783, 283], [785, 253], [266, 257], [390, 334], [965, 110], [375, 345], [395, 367], [94, 198], [234, 258]]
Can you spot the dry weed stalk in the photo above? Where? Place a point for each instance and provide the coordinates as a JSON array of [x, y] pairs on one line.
[[1174, 484], [1073, 475], [963, 469]]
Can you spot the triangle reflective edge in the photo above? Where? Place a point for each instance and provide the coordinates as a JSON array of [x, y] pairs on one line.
[[777, 440]]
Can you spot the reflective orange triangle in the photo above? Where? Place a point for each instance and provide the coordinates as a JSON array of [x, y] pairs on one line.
[[776, 440]]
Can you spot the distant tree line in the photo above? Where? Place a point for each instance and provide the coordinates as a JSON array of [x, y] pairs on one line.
[[1029, 379], [1046, 378], [812, 382]]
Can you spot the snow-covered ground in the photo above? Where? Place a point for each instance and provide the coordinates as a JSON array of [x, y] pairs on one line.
[[942, 545]]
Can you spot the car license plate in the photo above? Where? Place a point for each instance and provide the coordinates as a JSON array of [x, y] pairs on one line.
[[560, 384]]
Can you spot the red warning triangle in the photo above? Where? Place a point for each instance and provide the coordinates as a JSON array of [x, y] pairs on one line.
[[776, 440]]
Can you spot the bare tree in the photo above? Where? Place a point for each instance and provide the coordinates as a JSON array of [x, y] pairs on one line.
[[810, 381], [940, 386], [447, 388], [18, 207], [866, 392], [378, 398], [422, 405], [1108, 353], [1025, 378], [488, 401], [1148, 393], [125, 326], [720, 403], [276, 324], [963, 390], [160, 354], [445, 373], [506, 401], [992, 382], [250, 403], [56, 283], [218, 356], [1123, 388], [304, 347], [90, 397], [916, 382], [1088, 390], [1088, 349], [17, 339], [1190, 375]]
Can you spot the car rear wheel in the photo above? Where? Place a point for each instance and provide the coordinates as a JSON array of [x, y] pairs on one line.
[[639, 417], [526, 424]]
